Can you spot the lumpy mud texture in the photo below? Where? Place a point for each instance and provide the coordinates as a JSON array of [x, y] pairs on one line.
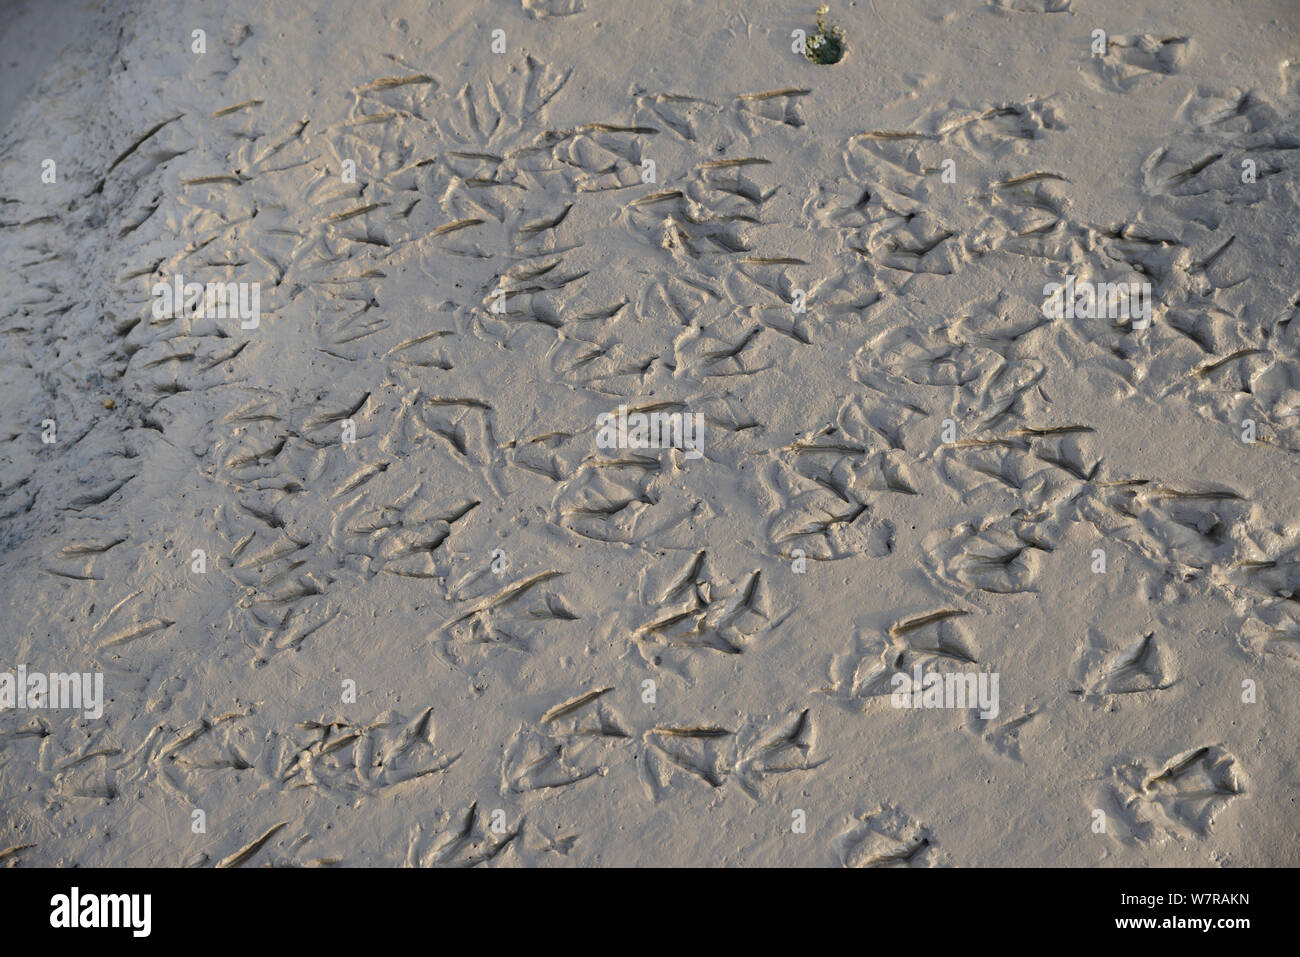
[[569, 655]]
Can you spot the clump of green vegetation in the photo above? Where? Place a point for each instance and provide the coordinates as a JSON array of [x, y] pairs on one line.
[[827, 44]]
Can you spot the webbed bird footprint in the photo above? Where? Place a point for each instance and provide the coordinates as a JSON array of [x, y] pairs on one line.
[[825, 526], [1183, 795], [1104, 667], [1000, 557], [1004, 738], [886, 837], [782, 749]]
